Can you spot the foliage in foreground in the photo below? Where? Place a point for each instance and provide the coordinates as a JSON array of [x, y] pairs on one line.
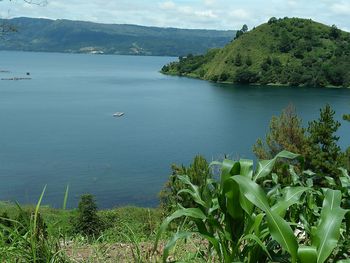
[[243, 220], [318, 144], [26, 240], [174, 190]]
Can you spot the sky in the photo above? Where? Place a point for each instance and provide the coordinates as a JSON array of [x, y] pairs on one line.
[[206, 14]]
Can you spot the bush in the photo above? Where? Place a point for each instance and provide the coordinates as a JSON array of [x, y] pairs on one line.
[[224, 76], [87, 222], [214, 78], [246, 76]]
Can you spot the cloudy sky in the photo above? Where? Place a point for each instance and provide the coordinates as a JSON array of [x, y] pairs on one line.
[[211, 14]]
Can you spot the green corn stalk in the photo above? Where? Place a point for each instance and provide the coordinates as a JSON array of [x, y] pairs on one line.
[[327, 233], [240, 220]]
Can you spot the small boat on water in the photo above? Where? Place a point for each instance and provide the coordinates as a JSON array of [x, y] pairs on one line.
[[118, 114]]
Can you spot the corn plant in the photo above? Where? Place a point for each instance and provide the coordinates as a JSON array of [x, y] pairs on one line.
[[243, 222]]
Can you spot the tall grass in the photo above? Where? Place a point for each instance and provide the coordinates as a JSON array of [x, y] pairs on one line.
[[26, 240]]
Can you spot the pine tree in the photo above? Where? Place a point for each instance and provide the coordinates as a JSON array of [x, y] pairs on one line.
[[285, 133], [88, 222], [325, 156]]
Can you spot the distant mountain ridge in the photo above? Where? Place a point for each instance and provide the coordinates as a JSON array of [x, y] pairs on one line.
[[37, 34]]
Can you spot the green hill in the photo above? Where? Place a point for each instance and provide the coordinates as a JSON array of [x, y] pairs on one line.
[[35, 34], [288, 51]]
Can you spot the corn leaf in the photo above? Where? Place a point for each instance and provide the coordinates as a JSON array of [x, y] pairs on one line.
[[328, 231], [258, 241], [307, 254], [228, 168], [291, 196], [195, 213], [265, 166], [171, 243], [194, 192], [246, 167], [279, 228]]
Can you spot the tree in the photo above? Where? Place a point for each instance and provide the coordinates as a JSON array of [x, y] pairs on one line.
[[88, 222], [334, 32], [238, 34], [242, 31], [238, 60], [248, 61], [272, 20], [285, 133], [285, 42], [325, 156], [245, 76]]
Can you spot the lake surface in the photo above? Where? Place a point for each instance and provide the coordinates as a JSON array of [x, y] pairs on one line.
[[58, 129]]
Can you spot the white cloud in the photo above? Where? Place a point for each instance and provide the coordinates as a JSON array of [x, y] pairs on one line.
[[341, 8], [209, 2], [240, 13], [168, 5], [207, 14], [292, 3]]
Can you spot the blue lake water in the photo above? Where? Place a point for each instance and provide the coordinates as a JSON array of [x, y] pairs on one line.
[[58, 129]]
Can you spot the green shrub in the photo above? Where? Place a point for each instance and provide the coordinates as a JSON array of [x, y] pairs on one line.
[[246, 76], [87, 221]]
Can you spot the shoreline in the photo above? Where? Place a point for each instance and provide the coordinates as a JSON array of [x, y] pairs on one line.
[[251, 84]]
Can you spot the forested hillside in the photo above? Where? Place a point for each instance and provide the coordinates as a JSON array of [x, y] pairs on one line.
[[288, 51]]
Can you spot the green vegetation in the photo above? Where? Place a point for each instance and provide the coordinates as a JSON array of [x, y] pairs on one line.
[[288, 51], [285, 133], [244, 220], [317, 144], [26, 239], [86, 37], [325, 155], [87, 222], [174, 191]]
